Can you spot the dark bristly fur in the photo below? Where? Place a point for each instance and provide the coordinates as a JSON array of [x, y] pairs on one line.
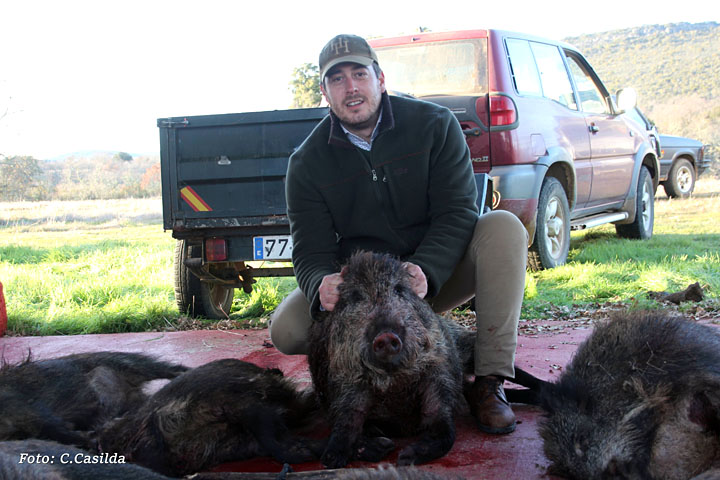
[[382, 357], [65, 398], [222, 411], [639, 400]]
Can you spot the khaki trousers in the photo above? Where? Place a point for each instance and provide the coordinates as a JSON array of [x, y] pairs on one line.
[[492, 270]]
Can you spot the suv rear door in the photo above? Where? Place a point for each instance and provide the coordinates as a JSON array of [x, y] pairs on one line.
[[540, 75]]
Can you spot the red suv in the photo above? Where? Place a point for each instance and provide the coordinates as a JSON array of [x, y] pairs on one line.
[[540, 122]]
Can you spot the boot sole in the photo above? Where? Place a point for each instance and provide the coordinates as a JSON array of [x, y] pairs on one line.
[[496, 431]]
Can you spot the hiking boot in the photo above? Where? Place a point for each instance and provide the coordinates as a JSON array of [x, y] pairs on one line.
[[489, 406]]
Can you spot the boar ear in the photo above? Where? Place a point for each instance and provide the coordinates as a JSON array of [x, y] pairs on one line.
[[703, 410]]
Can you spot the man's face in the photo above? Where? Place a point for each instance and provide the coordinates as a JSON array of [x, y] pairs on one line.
[[354, 92]]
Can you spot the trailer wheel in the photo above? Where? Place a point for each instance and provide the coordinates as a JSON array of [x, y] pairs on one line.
[[196, 298]]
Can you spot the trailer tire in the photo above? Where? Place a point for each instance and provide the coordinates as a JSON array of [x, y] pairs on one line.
[[196, 298]]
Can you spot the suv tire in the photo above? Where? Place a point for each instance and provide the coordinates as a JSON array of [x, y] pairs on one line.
[[552, 233], [196, 298], [681, 179], [642, 227]]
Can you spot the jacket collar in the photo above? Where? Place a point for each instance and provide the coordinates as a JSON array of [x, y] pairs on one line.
[[338, 138]]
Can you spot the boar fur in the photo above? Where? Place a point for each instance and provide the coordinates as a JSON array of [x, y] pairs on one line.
[[639, 400], [225, 410], [383, 363], [67, 398]]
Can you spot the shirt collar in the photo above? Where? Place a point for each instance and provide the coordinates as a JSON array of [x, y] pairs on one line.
[[360, 142]]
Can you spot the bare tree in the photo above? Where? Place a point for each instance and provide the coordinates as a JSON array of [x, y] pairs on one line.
[[20, 178]]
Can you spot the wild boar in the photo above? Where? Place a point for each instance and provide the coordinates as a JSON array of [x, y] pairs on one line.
[[383, 359], [222, 411], [66, 398], [639, 400]]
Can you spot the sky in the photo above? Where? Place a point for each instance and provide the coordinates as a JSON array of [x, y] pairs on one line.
[[80, 75]]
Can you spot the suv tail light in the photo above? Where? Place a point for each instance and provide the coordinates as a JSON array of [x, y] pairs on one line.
[[502, 111], [216, 249]]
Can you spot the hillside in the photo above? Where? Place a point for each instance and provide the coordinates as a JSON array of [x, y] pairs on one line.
[[660, 61], [675, 69]]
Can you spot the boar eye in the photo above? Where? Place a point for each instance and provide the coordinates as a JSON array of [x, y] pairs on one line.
[[399, 289]]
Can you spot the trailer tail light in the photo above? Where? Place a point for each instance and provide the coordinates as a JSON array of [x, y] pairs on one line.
[[502, 111], [216, 249]]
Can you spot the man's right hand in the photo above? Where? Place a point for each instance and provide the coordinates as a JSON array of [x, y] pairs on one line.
[[328, 291]]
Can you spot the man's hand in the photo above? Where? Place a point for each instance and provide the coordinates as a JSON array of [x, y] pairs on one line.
[[418, 280], [328, 290]]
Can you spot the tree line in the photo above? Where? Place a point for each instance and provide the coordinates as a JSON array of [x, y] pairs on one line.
[[101, 176]]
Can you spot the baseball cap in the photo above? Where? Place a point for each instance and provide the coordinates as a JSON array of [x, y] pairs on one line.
[[345, 48]]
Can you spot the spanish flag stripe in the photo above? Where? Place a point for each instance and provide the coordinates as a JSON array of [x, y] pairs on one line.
[[194, 200]]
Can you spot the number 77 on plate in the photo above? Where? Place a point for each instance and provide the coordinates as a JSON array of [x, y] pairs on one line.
[[274, 247]]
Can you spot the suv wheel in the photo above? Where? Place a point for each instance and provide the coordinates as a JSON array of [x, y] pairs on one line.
[[196, 298], [642, 227], [681, 179], [552, 234]]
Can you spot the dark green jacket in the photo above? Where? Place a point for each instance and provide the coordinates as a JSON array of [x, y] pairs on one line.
[[413, 195]]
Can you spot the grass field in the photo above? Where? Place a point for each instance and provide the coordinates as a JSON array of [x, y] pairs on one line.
[[106, 266]]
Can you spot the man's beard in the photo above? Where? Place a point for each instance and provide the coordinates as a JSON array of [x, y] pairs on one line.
[[354, 122]]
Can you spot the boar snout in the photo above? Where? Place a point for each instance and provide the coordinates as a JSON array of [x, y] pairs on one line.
[[387, 346]]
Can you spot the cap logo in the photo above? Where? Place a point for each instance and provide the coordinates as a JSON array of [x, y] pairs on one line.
[[341, 43]]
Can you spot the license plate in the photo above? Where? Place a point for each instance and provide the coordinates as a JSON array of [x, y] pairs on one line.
[[273, 247]]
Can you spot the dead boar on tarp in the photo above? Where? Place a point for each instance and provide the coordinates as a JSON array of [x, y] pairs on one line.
[[67, 398], [639, 400], [226, 410]]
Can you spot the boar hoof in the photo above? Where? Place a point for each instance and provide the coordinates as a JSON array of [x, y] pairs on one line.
[[407, 457], [335, 457], [373, 449]]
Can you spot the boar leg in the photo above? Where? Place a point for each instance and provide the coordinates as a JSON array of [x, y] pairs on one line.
[[350, 411], [273, 436], [434, 443], [438, 428]]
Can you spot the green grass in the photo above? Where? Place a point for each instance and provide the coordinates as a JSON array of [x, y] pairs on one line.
[[684, 249], [111, 270], [100, 273]]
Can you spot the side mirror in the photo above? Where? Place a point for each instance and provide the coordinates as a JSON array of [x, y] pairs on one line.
[[626, 99]]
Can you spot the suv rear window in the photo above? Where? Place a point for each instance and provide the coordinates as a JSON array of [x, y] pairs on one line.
[[448, 68]]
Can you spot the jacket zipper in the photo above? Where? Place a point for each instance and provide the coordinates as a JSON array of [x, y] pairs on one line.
[[378, 193]]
